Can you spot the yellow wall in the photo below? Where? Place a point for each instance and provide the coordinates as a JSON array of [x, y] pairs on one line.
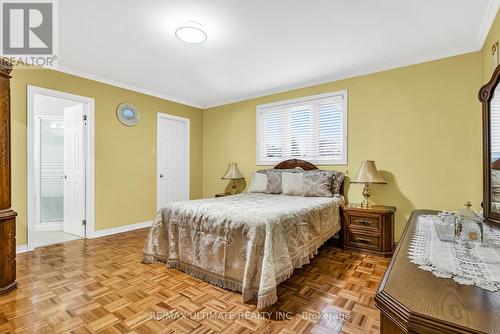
[[421, 124], [486, 58], [125, 168]]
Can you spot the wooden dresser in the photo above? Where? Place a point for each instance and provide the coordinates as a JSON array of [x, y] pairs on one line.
[[412, 300], [7, 215], [369, 230]]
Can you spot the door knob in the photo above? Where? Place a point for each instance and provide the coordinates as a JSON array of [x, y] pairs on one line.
[[65, 177], [161, 175]]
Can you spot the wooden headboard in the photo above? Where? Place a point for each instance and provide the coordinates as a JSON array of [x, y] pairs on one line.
[[292, 163], [496, 165]]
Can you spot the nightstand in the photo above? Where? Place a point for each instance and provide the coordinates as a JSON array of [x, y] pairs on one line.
[[369, 230], [222, 194]]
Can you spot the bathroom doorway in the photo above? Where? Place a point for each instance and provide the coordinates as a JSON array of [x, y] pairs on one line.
[[57, 167]]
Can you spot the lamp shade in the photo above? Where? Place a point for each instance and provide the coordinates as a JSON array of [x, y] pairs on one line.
[[368, 173], [233, 172]]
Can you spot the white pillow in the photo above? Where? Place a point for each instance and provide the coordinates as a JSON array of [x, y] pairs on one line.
[[292, 184], [259, 183]]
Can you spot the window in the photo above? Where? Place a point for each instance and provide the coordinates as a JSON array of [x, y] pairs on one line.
[[313, 128]]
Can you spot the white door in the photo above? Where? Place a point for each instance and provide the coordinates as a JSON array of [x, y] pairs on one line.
[[74, 170], [172, 159]]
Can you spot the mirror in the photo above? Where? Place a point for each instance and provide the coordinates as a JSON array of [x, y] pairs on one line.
[[489, 95], [495, 151]]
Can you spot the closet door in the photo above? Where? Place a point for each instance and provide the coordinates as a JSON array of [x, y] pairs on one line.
[[173, 159]]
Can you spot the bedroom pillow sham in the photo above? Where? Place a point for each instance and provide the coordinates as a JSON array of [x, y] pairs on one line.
[[274, 179], [337, 182], [292, 184], [317, 182], [258, 184]]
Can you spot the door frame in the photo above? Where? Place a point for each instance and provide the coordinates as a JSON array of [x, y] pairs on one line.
[[188, 154], [89, 104]]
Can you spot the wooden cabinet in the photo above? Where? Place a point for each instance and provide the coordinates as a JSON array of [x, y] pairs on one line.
[[369, 230], [412, 300], [7, 215]]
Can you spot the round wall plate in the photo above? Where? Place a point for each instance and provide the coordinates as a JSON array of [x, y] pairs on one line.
[[128, 114]]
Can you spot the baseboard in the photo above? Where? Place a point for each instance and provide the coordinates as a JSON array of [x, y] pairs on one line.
[[21, 249], [101, 233], [120, 229]]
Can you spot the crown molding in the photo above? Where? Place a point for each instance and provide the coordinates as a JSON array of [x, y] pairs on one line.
[[133, 88], [488, 18], [372, 69], [282, 89]]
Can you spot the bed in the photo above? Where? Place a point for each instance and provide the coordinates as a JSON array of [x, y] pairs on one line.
[[249, 242]]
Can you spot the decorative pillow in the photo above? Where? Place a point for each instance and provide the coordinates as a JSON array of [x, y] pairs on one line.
[[318, 183], [293, 184], [259, 183], [337, 182], [274, 178]]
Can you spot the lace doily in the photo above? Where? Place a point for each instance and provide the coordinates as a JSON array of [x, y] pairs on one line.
[[443, 258]]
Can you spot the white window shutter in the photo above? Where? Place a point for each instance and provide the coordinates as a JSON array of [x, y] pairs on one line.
[[312, 129]]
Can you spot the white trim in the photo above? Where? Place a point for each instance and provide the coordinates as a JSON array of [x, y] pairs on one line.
[[120, 229], [188, 153], [262, 107], [22, 249], [371, 69], [90, 156], [488, 18], [487, 22], [133, 88], [477, 45], [36, 162], [100, 233]]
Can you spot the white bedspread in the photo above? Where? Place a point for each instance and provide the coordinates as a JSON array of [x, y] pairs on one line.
[[248, 242]]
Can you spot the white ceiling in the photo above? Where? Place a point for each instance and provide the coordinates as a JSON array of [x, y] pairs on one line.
[[259, 47]]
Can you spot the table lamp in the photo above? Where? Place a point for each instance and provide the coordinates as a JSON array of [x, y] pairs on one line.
[[368, 174], [233, 173]]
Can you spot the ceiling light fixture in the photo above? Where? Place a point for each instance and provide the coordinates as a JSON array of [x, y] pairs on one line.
[[191, 32]]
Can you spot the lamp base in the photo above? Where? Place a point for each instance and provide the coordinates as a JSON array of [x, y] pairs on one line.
[[233, 187], [367, 204]]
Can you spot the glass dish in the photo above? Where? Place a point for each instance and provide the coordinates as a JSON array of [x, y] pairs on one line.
[[445, 226]]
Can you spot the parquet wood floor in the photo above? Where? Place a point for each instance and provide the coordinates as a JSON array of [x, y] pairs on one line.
[[101, 286]]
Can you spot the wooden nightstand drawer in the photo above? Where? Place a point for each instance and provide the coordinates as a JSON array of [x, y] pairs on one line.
[[371, 222], [369, 230], [356, 239]]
